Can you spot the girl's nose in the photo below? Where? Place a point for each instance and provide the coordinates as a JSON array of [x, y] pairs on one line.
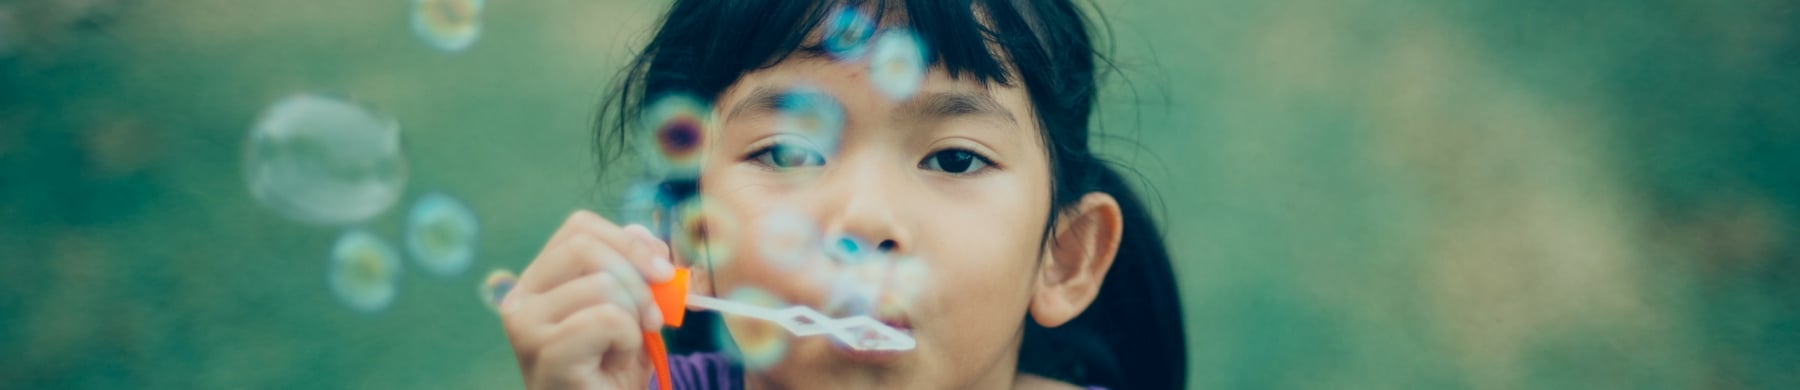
[[869, 206]]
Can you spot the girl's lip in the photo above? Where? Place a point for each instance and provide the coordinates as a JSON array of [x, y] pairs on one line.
[[873, 356]]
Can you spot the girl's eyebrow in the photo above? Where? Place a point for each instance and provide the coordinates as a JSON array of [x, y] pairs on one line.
[[950, 104], [762, 100], [766, 99]]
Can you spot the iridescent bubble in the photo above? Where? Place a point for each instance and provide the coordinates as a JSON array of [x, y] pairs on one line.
[[897, 66], [850, 295], [645, 204], [440, 234], [677, 128], [907, 280], [813, 115], [705, 233], [363, 271], [448, 25], [847, 249], [847, 33], [788, 239], [756, 343], [495, 287], [324, 160]]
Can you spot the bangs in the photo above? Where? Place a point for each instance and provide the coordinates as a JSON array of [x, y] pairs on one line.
[[703, 48]]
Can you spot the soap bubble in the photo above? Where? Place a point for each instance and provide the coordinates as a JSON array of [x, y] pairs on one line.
[[848, 294], [645, 204], [847, 33], [705, 233], [363, 271], [813, 115], [677, 127], [756, 343], [440, 234], [448, 25], [847, 249], [323, 160], [906, 282], [898, 64], [787, 239], [879, 284], [495, 287]]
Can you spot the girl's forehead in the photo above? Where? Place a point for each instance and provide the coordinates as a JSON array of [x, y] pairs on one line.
[[858, 88]]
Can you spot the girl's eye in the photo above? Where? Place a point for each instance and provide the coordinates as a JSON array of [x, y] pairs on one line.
[[785, 156], [959, 162]]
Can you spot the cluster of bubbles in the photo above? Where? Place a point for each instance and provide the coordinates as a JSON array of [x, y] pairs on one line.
[[324, 160], [448, 25], [674, 132], [896, 56]]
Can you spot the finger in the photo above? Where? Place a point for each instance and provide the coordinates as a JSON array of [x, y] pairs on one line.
[[577, 257], [577, 221], [600, 289], [643, 249], [583, 222], [634, 285], [594, 332], [661, 268]]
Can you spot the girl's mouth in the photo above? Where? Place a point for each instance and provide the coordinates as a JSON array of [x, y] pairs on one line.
[[875, 356]]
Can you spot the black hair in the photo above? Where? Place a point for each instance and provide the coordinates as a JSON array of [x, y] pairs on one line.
[[1131, 336]]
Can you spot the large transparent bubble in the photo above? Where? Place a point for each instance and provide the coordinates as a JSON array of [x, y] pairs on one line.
[[324, 160], [364, 271]]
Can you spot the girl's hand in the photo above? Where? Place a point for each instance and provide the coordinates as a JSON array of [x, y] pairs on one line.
[[577, 316]]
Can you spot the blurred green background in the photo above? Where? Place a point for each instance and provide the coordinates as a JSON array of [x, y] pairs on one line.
[[1358, 194]]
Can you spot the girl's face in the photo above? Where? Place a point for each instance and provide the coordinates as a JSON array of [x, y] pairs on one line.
[[954, 176]]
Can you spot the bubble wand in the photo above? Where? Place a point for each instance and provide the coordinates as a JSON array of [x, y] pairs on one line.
[[861, 332]]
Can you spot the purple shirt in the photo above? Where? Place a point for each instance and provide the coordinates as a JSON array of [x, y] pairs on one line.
[[710, 371]]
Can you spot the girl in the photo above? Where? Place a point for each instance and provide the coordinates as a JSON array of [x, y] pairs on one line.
[[950, 132]]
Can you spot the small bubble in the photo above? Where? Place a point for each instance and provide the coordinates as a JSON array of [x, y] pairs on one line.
[[756, 343], [677, 128], [705, 233], [363, 271], [441, 234], [645, 204], [495, 287], [812, 115], [898, 66], [448, 25], [324, 160], [847, 33], [846, 249], [788, 239], [849, 295]]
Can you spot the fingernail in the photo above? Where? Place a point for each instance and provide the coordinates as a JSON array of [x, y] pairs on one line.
[[660, 265]]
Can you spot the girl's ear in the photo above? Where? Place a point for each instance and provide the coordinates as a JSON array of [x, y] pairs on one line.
[[1076, 259]]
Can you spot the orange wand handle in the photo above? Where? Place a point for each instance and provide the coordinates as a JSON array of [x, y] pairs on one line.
[[671, 299]]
